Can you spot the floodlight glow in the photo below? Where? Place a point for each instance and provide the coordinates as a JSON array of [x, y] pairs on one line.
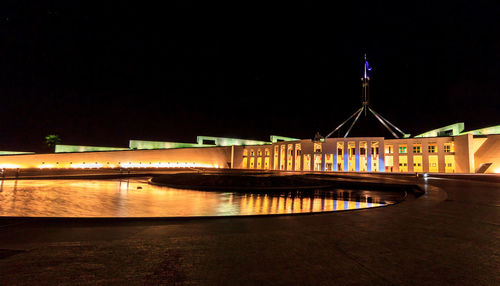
[[9, 166], [87, 166], [167, 165], [45, 166]]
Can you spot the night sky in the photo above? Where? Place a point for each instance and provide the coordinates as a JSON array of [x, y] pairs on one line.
[[102, 73]]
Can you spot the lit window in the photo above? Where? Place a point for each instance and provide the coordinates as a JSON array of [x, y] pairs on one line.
[[402, 149], [417, 149], [317, 147], [388, 149], [448, 147], [432, 149]]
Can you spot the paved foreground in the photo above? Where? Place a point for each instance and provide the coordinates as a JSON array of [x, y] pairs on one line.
[[449, 236]]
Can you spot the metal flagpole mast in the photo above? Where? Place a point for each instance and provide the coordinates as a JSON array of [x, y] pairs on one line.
[[365, 81], [357, 111], [365, 106]]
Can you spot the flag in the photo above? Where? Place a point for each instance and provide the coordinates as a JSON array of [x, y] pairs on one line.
[[368, 68]]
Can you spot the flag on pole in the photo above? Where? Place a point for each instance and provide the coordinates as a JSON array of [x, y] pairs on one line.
[[368, 67]]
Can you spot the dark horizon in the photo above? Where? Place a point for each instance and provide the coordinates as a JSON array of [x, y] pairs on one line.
[[101, 74]]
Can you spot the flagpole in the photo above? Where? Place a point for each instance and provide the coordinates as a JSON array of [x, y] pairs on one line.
[[365, 107]]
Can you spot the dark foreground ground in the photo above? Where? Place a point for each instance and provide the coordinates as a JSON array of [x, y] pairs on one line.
[[449, 236]]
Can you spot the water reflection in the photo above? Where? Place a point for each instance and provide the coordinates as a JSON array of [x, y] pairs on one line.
[[136, 198]]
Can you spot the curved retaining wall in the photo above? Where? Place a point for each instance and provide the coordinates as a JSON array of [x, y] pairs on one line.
[[215, 157]]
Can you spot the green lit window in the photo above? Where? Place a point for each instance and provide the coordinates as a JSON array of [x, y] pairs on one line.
[[417, 149], [402, 149]]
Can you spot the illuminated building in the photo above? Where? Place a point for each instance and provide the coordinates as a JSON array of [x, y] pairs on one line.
[[443, 150]]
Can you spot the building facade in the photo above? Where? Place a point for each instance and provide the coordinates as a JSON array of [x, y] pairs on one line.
[[454, 154], [444, 150]]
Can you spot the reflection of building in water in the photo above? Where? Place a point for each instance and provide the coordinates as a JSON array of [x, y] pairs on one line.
[[300, 202]]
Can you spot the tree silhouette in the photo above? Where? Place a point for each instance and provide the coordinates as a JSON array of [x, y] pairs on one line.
[[52, 140]]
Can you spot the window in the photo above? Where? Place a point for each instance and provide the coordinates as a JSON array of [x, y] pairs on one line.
[[259, 152], [266, 152], [362, 151], [252, 153], [432, 148], [417, 148], [388, 149], [245, 152], [402, 149], [317, 147], [448, 147]]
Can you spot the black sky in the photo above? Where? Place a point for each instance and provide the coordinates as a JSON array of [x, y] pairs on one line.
[[101, 73]]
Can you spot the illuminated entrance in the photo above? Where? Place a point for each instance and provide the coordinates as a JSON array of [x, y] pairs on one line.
[[403, 163], [449, 161], [282, 157], [340, 156], [362, 156], [417, 163], [329, 162], [374, 154], [276, 157], [266, 163], [289, 158], [433, 164], [317, 162], [298, 155], [307, 162], [351, 147]]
